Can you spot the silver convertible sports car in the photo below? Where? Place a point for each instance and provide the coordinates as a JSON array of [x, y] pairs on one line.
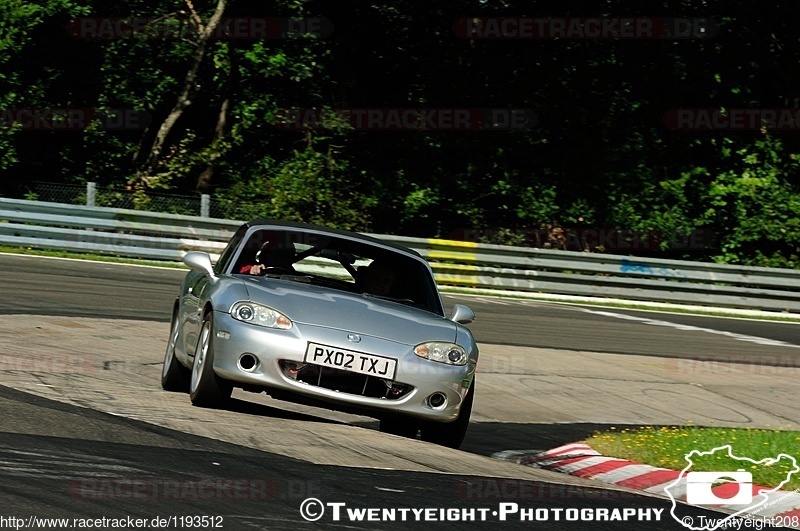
[[328, 318]]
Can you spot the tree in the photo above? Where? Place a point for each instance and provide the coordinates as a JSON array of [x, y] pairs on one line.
[[204, 32]]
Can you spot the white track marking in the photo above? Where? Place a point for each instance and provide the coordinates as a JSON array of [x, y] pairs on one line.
[[690, 328]]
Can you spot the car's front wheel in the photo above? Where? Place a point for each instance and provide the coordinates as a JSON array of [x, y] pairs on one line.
[[450, 434], [174, 376], [206, 389]]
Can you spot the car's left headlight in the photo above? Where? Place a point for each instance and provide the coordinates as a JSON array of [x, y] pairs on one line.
[[256, 314], [449, 353]]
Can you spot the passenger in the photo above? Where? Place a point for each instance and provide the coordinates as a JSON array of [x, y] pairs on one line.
[[379, 279]]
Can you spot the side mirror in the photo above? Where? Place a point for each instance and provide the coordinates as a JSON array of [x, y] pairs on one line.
[[462, 314], [199, 261]]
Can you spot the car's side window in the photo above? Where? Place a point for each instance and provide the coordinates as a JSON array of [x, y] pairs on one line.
[[227, 255]]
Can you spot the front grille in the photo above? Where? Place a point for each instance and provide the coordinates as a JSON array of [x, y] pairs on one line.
[[345, 381]]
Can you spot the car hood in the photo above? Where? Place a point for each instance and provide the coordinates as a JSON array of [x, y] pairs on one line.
[[331, 308]]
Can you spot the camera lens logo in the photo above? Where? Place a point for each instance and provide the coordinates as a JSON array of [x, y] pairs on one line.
[[699, 485]]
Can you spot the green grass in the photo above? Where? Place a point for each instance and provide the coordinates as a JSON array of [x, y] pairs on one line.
[[667, 447], [789, 318], [634, 306], [86, 256]]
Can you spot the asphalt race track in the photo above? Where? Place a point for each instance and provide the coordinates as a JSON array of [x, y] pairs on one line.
[[102, 466], [81, 289], [88, 433]]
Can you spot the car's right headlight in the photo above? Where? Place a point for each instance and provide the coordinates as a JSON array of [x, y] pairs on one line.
[[250, 312], [449, 353]]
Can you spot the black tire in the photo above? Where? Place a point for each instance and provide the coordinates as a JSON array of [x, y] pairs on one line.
[[450, 434], [402, 426], [206, 389], [174, 376]]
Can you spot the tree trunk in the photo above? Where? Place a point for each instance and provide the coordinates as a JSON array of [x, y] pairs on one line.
[[204, 180], [204, 33]]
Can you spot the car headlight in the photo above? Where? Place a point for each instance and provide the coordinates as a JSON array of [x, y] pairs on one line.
[[256, 314], [449, 353]]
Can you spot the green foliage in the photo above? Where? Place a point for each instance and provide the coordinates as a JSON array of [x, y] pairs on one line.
[[18, 20], [748, 201], [314, 187], [505, 236], [311, 187], [600, 154], [419, 202], [755, 206]]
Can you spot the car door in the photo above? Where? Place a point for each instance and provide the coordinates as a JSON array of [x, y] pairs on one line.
[[196, 294], [191, 310]]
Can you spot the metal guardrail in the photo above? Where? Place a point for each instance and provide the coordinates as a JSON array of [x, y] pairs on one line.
[[159, 236]]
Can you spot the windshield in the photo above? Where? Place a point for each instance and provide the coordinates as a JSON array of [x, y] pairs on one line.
[[339, 263]]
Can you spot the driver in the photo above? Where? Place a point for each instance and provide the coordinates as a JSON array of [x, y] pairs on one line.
[[274, 257]]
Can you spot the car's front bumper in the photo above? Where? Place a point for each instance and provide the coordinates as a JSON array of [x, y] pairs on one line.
[[232, 339]]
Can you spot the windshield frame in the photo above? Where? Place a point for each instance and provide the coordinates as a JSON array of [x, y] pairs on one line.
[[312, 236]]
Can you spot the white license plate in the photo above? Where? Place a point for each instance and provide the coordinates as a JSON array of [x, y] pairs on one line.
[[348, 360]]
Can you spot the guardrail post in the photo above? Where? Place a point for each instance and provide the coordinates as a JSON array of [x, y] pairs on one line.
[[205, 205], [91, 193]]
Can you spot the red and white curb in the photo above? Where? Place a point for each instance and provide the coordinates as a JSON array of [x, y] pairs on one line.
[[579, 459]]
